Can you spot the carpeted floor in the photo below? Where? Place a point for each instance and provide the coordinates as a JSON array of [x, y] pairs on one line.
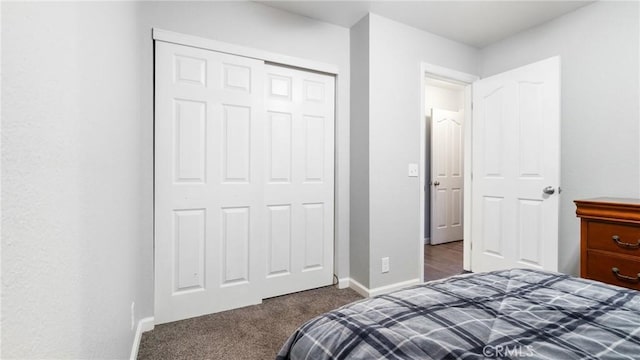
[[253, 332]]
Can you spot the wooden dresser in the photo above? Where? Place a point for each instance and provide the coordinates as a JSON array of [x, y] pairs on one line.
[[610, 240]]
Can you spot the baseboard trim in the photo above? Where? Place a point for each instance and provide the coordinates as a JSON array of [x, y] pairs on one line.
[[427, 240], [359, 288], [144, 325], [393, 287], [343, 283], [366, 292]]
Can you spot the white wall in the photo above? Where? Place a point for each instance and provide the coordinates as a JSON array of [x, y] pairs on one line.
[[77, 145], [359, 195], [261, 27], [76, 206], [598, 45], [77, 156], [396, 52], [443, 98]]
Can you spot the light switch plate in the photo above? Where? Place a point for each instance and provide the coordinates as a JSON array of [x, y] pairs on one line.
[[413, 170]]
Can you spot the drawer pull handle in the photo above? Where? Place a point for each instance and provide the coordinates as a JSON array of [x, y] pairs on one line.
[[627, 245], [617, 274]]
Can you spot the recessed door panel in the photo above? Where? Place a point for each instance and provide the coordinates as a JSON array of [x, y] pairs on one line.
[[190, 141], [314, 234], [456, 207], [456, 160], [279, 259], [237, 77], [531, 131], [190, 70], [236, 142], [279, 86], [492, 215], [493, 139], [441, 203], [189, 240], [235, 245], [441, 153], [315, 145], [530, 226], [314, 91], [279, 142]]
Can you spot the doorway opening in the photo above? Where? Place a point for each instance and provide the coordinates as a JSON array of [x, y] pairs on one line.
[[444, 205], [446, 158]]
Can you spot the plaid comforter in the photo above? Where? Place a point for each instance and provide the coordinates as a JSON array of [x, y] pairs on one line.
[[504, 314]]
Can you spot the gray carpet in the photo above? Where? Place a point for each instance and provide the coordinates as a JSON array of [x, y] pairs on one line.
[[253, 332]]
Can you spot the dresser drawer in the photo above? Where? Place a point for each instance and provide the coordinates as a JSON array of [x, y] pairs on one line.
[[600, 265], [601, 235]]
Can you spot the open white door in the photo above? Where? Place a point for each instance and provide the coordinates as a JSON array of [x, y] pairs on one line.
[[446, 175], [516, 168]]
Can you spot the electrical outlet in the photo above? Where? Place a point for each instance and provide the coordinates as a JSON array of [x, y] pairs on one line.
[[133, 314], [385, 265]]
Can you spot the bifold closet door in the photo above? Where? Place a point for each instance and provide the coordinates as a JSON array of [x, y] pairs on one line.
[[244, 178], [209, 125]]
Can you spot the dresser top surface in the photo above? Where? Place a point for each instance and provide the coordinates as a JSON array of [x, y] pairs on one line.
[[626, 209], [610, 200]]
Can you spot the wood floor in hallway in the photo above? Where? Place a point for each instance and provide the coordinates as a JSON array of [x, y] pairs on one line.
[[442, 260]]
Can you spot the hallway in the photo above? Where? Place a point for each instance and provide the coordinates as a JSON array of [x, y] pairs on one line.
[[442, 260]]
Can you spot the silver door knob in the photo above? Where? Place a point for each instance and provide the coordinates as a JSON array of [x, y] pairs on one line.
[[436, 183], [549, 190]]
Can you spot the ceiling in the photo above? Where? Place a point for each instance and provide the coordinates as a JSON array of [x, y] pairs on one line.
[[475, 23]]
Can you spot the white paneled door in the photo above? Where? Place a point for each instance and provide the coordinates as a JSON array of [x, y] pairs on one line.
[[447, 175], [516, 168], [298, 181], [243, 194]]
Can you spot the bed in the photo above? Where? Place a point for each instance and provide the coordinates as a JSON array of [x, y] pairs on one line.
[[503, 314]]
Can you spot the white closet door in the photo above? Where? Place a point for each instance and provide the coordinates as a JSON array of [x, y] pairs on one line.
[[209, 222], [244, 181], [299, 180]]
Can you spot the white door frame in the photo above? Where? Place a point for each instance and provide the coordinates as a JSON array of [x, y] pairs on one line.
[[442, 73], [223, 47], [341, 182]]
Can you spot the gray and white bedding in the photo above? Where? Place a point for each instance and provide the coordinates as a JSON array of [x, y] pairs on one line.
[[502, 314]]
